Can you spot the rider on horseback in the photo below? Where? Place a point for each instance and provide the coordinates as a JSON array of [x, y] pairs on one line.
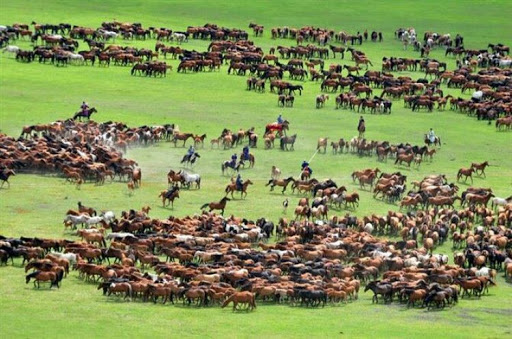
[[171, 191], [245, 153], [305, 167], [233, 160], [84, 107], [239, 182], [190, 152], [431, 136], [280, 119]]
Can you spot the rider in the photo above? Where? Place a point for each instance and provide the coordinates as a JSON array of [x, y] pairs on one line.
[[431, 135], [84, 106], [245, 153], [361, 122], [171, 191], [190, 151], [280, 119], [239, 183], [305, 166], [233, 160]]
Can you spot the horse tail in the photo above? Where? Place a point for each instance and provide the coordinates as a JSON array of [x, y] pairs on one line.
[[60, 276], [205, 205], [104, 243]]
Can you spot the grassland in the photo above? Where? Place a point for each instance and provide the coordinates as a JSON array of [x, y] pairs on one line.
[[206, 103]]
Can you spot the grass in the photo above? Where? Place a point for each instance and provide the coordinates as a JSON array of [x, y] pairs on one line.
[[206, 103]]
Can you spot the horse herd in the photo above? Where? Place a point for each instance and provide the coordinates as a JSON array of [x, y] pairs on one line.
[[492, 83], [213, 260]]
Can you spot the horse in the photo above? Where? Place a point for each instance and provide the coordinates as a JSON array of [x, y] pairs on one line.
[[191, 178], [352, 198], [190, 159], [174, 177], [321, 99], [467, 172], [275, 172], [288, 140], [383, 289], [166, 196], [85, 114], [221, 205], [361, 129], [137, 177], [437, 141], [506, 122], [233, 187], [11, 49], [53, 277], [251, 160], [277, 127], [480, 167], [280, 182], [408, 158], [243, 298], [199, 139], [229, 164], [322, 142], [4, 177], [181, 136]]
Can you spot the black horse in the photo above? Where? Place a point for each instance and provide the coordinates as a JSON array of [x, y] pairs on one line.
[[323, 185], [85, 114], [380, 288], [4, 176], [190, 159]]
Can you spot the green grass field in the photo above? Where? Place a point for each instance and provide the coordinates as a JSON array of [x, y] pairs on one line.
[[34, 205]]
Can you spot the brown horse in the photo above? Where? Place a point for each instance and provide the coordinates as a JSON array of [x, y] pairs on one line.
[[137, 177], [467, 172], [243, 298], [367, 179], [221, 205], [352, 198], [280, 182], [182, 136], [321, 99], [251, 160], [170, 198], [199, 139], [408, 158], [52, 277], [232, 188], [173, 177], [504, 122], [480, 167]]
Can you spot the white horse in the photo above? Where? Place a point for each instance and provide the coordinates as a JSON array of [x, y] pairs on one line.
[[108, 216], [94, 221], [76, 219], [11, 49], [71, 257], [191, 178], [505, 63], [109, 35], [497, 201], [119, 235], [76, 58], [179, 37]]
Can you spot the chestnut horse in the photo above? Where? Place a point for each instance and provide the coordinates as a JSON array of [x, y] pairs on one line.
[[467, 172], [170, 198], [182, 136], [408, 158], [52, 277], [480, 167], [232, 188], [221, 205], [243, 298]]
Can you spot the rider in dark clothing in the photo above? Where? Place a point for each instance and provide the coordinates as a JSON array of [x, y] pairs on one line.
[[245, 153], [84, 106], [305, 165], [171, 191], [233, 160], [239, 183]]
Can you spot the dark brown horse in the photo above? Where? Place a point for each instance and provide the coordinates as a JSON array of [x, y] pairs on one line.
[[280, 182], [232, 188], [408, 158], [4, 176], [85, 114], [221, 205]]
